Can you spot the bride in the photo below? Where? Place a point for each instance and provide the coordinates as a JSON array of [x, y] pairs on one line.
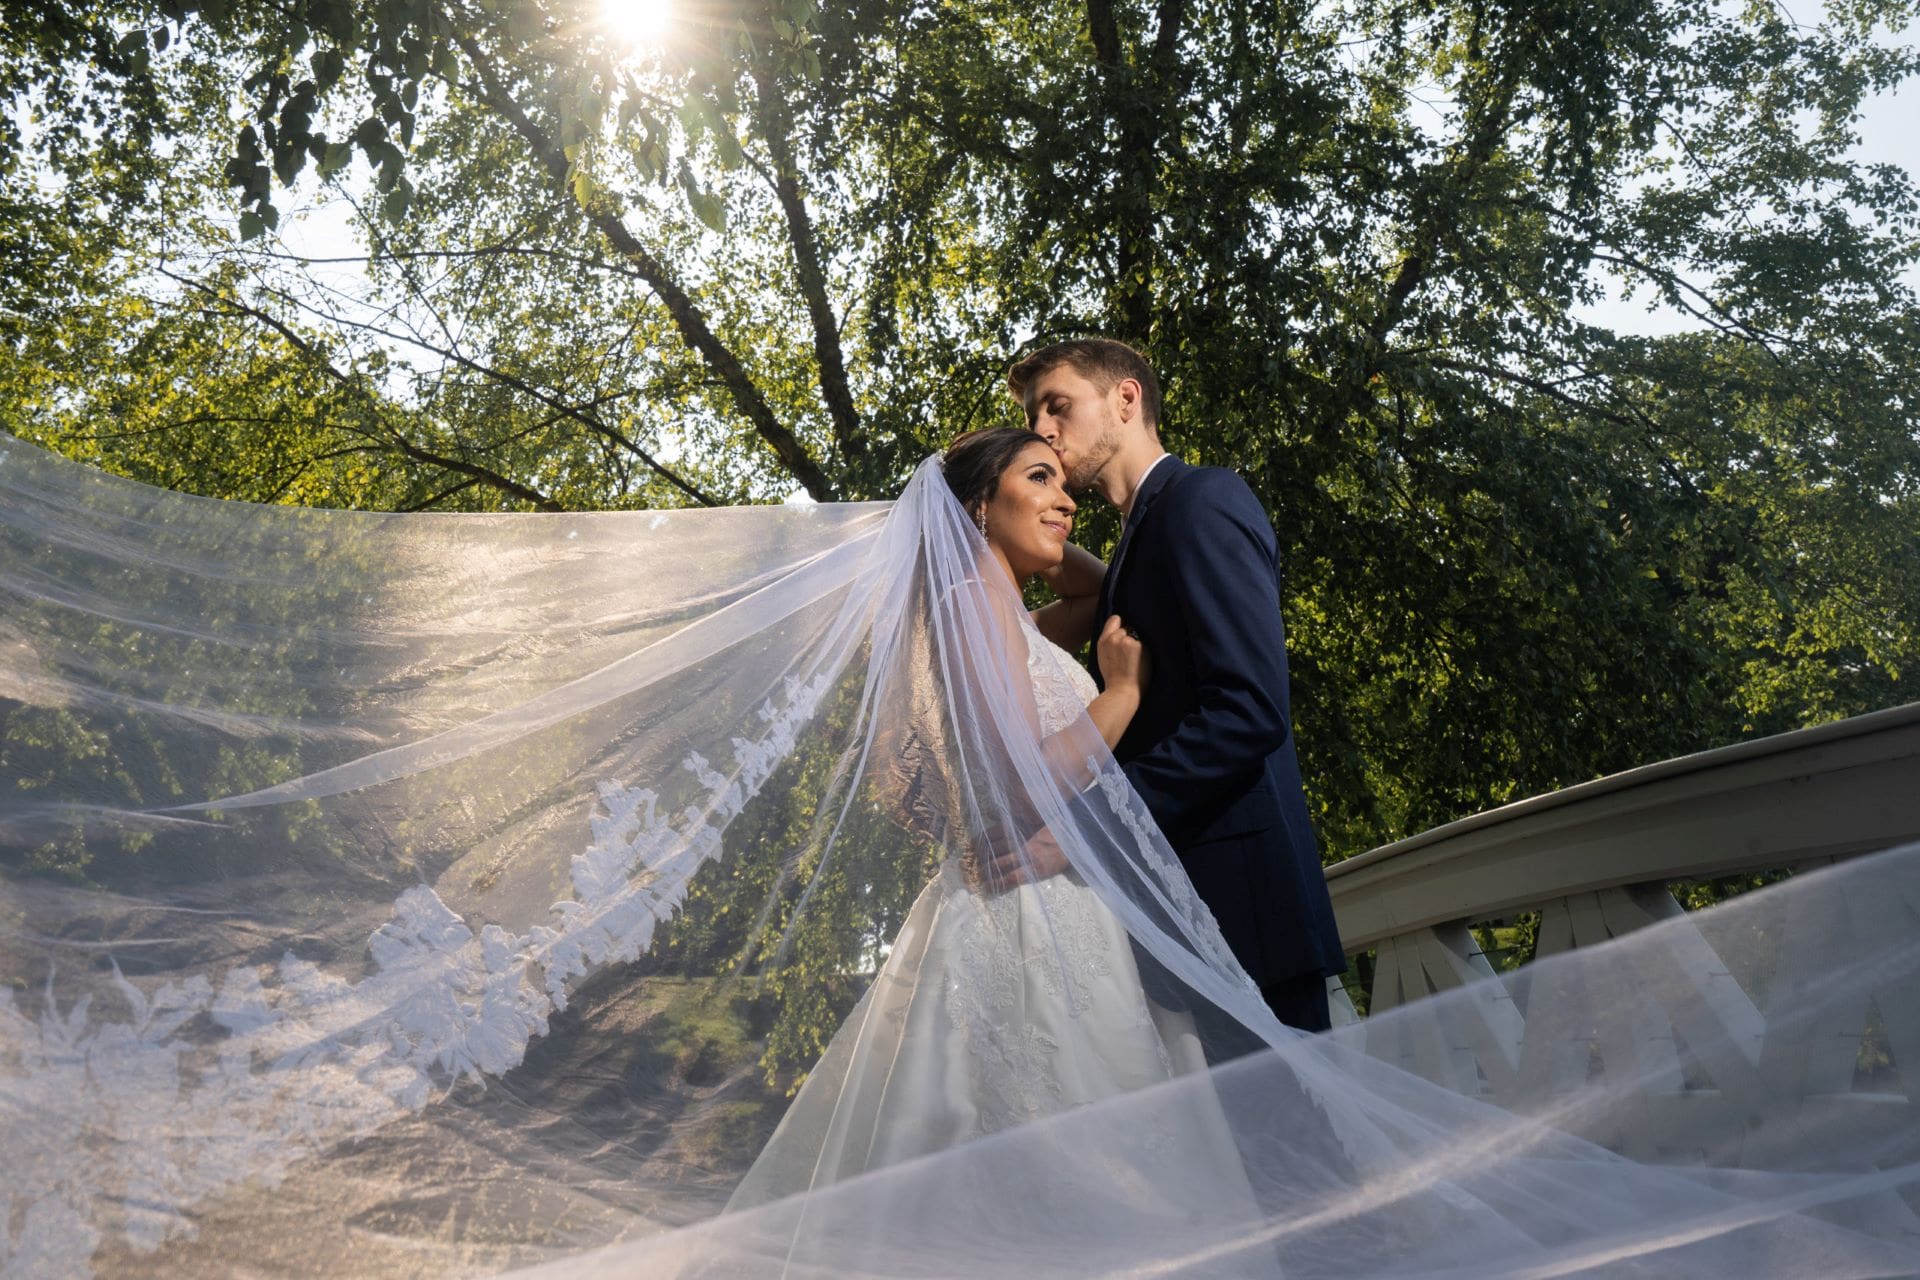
[[1008, 995]]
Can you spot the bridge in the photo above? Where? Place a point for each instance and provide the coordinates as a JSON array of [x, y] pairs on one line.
[[1688, 1027]]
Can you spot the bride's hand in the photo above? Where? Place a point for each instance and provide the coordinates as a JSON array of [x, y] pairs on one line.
[[1123, 659], [1040, 858]]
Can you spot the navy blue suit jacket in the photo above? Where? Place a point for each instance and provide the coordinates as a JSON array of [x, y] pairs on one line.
[[1196, 574]]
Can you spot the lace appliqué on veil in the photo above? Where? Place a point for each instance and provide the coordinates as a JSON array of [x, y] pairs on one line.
[[1060, 703], [1166, 871], [128, 1116]]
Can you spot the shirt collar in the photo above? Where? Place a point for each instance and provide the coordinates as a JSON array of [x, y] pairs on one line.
[[1140, 485]]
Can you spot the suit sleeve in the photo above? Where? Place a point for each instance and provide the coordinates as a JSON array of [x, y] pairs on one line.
[[1222, 553]]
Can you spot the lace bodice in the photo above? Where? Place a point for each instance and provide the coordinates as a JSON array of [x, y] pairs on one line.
[[1060, 701]]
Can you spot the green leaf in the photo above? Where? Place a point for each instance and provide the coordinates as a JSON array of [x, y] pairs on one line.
[[695, 116], [394, 207], [328, 66], [338, 156], [524, 24], [584, 188], [252, 225], [709, 208], [335, 17]]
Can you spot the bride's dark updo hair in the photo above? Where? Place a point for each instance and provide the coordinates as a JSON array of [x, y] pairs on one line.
[[974, 461]]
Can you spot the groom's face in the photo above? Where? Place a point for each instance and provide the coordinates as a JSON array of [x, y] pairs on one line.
[[1076, 417]]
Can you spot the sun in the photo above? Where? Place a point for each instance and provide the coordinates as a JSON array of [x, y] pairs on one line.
[[637, 23]]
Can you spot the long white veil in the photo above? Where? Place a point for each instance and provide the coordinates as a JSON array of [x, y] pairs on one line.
[[435, 894]]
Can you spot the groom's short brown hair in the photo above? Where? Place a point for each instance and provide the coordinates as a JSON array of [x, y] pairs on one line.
[[1101, 361]]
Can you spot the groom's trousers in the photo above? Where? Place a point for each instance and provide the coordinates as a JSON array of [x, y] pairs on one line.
[[1300, 1002]]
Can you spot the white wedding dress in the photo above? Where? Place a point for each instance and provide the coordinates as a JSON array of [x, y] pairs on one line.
[[992, 1010]]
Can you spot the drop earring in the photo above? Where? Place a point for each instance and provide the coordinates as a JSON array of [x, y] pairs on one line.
[[980, 520]]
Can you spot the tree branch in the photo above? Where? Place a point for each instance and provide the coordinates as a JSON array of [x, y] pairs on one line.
[[440, 497], [1104, 29], [1489, 126], [686, 315], [1139, 106], [1721, 319], [776, 126], [1172, 17], [406, 447], [516, 383], [1631, 417]]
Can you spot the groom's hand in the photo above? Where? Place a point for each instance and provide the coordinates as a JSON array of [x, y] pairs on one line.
[[1041, 857]]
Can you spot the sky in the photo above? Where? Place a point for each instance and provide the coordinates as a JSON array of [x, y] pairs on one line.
[[1889, 134]]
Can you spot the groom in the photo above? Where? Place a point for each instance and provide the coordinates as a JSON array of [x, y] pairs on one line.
[[1196, 577]]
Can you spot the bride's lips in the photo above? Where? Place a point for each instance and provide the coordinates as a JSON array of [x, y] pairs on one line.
[[1060, 527]]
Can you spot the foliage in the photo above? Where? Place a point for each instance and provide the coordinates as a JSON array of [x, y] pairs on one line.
[[793, 248], [798, 921]]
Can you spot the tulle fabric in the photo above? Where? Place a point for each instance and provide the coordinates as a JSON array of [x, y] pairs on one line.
[[449, 894], [1407, 1178], [991, 1009]]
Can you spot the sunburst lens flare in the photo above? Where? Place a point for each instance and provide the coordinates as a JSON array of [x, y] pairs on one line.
[[637, 23]]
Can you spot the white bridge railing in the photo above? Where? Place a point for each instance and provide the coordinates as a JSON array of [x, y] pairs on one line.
[[1595, 861]]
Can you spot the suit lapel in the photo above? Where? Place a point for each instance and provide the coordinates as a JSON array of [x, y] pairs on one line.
[[1150, 488]]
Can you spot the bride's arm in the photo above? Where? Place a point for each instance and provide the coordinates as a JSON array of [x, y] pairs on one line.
[[1124, 662], [1068, 620], [1013, 844], [1124, 668]]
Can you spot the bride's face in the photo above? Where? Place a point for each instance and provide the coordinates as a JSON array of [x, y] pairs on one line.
[[1030, 517]]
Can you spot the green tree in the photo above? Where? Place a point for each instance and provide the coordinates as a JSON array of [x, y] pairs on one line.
[[794, 248]]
